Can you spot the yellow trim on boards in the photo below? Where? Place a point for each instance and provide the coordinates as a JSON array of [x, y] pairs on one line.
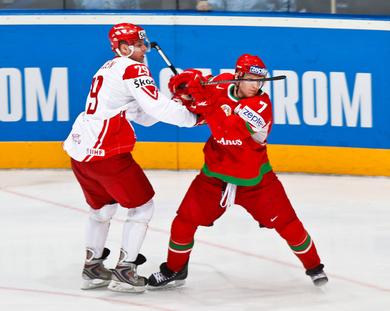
[[172, 155]]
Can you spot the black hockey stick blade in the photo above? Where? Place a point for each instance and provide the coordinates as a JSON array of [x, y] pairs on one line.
[[239, 80], [154, 45]]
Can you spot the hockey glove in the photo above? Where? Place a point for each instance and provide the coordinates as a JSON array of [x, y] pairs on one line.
[[178, 84], [198, 90], [188, 88]]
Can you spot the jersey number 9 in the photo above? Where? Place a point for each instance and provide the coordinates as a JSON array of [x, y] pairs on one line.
[[97, 83]]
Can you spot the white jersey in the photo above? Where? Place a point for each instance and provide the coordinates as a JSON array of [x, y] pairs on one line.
[[122, 90]]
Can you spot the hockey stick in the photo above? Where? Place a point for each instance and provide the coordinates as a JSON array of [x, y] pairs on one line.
[[243, 79], [154, 45]]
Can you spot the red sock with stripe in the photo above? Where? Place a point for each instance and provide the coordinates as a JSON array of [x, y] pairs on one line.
[[180, 243], [301, 244]]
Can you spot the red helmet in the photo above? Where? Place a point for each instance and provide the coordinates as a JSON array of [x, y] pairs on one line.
[[126, 32], [252, 64]]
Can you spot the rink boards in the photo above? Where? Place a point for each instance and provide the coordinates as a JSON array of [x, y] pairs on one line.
[[331, 114]]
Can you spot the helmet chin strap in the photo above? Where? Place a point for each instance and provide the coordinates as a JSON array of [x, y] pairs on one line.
[[131, 47]]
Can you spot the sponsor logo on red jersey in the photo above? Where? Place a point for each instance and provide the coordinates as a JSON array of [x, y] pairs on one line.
[[229, 142], [252, 117]]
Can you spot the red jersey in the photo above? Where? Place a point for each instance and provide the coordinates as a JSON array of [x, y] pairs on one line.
[[236, 152]]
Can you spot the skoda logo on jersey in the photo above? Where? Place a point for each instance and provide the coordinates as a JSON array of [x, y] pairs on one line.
[[258, 70], [140, 82], [147, 85], [151, 90]]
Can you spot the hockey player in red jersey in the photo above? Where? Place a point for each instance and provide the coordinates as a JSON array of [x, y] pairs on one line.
[[236, 169], [99, 145]]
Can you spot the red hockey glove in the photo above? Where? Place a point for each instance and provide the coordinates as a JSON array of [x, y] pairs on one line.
[[178, 84], [188, 88], [198, 90], [189, 85]]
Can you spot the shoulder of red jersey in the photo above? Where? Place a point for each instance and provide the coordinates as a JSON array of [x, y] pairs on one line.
[[256, 102], [220, 77], [223, 76]]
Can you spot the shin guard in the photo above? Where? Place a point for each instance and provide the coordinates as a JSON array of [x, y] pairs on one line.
[[97, 228], [134, 230], [180, 243], [300, 243]]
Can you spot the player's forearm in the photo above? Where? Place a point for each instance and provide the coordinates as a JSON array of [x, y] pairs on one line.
[[164, 109]]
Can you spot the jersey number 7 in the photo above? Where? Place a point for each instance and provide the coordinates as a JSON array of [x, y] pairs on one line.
[[97, 83]]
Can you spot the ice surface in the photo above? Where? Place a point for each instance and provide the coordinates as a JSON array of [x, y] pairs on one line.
[[235, 265]]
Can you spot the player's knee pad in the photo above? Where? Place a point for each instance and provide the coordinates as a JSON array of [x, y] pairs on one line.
[[141, 214], [103, 214], [183, 227]]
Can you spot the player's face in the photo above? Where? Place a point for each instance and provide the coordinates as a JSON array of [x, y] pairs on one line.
[[249, 88], [139, 51]]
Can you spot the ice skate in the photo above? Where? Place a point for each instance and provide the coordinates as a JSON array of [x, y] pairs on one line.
[[318, 275], [94, 273], [125, 277], [166, 278]]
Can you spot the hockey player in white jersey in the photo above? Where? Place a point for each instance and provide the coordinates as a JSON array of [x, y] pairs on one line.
[[100, 144]]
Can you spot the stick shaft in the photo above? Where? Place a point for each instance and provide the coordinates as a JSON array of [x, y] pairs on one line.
[[164, 57], [155, 45], [239, 80]]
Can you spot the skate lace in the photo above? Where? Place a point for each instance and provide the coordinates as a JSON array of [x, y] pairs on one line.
[[160, 277], [228, 196]]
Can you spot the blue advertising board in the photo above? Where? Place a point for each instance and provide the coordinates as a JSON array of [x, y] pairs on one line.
[[336, 91]]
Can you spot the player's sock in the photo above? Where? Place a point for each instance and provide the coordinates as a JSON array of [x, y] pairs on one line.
[[180, 244], [301, 244]]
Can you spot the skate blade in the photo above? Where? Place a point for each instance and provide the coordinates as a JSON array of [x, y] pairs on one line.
[[321, 282], [122, 287], [95, 283], [173, 284]]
